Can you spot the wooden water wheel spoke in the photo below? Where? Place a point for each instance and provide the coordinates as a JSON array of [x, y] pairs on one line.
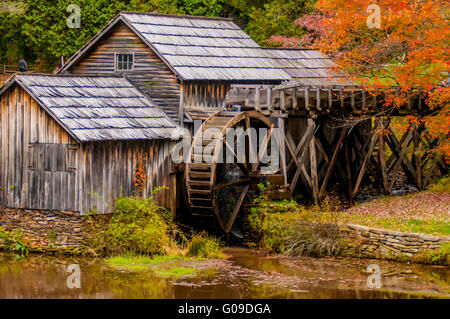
[[215, 186]]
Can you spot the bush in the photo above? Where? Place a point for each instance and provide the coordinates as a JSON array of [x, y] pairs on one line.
[[285, 227], [442, 185], [142, 227], [138, 226], [203, 246], [13, 242]]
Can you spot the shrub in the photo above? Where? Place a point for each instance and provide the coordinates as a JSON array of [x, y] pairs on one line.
[[203, 246], [285, 227], [441, 186], [13, 242], [137, 226]]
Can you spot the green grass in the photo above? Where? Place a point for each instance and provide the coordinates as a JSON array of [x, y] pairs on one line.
[[166, 266], [137, 262], [431, 227], [176, 272], [441, 186]]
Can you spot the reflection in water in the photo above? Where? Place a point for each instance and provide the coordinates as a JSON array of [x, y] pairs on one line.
[[244, 275]]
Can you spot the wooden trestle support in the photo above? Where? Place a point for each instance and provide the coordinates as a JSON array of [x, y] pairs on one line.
[[345, 138]]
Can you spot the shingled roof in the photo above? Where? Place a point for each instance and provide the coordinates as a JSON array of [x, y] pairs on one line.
[[308, 67], [95, 108], [199, 48]]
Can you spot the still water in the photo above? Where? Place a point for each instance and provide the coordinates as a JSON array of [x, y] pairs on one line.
[[242, 275]]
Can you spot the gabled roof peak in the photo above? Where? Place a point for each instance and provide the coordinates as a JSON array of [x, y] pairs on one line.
[[175, 15]]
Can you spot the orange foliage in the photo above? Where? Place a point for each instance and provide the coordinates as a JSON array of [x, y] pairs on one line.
[[409, 51]]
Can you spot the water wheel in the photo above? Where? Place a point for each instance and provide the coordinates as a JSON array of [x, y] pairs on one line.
[[223, 169]]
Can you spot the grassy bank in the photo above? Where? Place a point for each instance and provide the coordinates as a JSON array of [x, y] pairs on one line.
[[140, 232], [285, 227], [426, 212]]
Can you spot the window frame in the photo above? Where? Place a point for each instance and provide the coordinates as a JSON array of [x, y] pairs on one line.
[[116, 61]]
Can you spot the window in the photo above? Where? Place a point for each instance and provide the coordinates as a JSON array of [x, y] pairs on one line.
[[124, 62]]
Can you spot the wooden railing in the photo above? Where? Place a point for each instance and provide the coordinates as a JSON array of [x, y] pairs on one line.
[[293, 97], [8, 69]]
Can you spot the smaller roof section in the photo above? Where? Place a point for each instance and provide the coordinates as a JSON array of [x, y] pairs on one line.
[[97, 108], [308, 67]]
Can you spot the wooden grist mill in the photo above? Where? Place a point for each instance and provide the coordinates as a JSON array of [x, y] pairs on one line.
[[117, 106], [327, 138]]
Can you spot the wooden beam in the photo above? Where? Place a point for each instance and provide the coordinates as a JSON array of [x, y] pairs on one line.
[[294, 99], [258, 98], [269, 98], [236, 209], [401, 156], [282, 100], [313, 166], [282, 149], [366, 159], [307, 99], [382, 154], [333, 160], [318, 100], [305, 138]]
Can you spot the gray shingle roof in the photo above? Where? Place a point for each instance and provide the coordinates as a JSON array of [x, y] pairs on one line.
[[94, 108], [308, 67], [200, 48]]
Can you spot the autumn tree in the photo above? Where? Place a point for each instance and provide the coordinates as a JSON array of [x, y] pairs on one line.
[[390, 46]]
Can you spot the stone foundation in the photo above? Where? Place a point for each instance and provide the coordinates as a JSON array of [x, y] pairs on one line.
[[46, 230], [362, 241]]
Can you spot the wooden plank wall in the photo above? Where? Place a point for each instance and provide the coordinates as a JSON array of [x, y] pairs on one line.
[[107, 171], [23, 124], [150, 73], [203, 94], [42, 167]]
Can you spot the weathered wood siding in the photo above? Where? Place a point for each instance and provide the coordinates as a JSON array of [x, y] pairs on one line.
[[31, 144], [43, 167], [106, 170], [202, 94], [150, 73]]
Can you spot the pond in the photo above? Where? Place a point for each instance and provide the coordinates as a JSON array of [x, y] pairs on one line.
[[242, 275]]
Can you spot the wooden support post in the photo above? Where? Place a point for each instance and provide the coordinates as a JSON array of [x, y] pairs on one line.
[[341, 98], [331, 164], [282, 100], [330, 98], [363, 97], [366, 160], [382, 154], [236, 209], [173, 194], [294, 99], [313, 164], [269, 99], [348, 171], [307, 99], [181, 108], [258, 98], [417, 158], [409, 105], [318, 100], [282, 148], [401, 156], [352, 100]]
